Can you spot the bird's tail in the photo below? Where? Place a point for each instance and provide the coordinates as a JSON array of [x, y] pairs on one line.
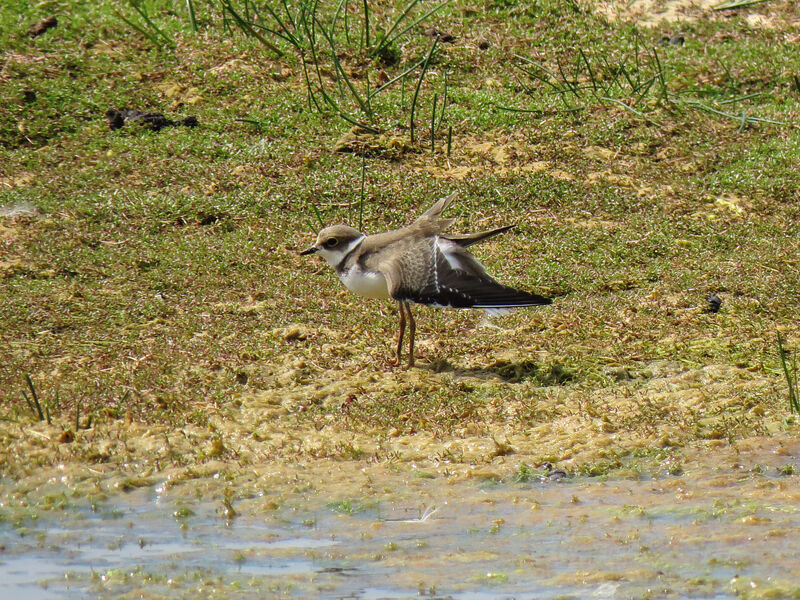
[[435, 211], [468, 239]]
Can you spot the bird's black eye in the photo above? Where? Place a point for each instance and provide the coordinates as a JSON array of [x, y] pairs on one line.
[[331, 243]]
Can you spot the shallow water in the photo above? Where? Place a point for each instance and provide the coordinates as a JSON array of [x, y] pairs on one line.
[[710, 533]]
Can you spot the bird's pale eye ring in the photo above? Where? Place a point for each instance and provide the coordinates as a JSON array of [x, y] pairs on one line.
[[331, 243]]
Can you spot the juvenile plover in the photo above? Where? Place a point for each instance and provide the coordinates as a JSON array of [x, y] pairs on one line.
[[418, 263]]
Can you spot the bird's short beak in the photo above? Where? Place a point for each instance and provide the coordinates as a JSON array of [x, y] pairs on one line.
[[311, 250]]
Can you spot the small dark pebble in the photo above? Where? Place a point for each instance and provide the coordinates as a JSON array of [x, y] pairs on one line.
[[445, 38], [29, 96], [38, 29], [671, 40], [151, 120], [714, 303], [242, 378], [339, 570], [552, 473], [483, 45]]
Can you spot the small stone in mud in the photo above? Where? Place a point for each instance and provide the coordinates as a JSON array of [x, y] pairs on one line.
[[714, 303], [294, 332], [445, 38], [671, 40], [38, 29], [67, 437]]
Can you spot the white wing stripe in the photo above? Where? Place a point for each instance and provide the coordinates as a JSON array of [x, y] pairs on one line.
[[436, 264]]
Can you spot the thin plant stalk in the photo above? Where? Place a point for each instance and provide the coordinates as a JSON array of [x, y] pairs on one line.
[[449, 139], [150, 36], [336, 15], [35, 397], [192, 16], [318, 214], [638, 113], [661, 81], [249, 29], [384, 41], [433, 123], [346, 24], [746, 119], [444, 104], [364, 104], [366, 24], [363, 188], [403, 81], [389, 38], [419, 84], [790, 372], [591, 72], [136, 5]]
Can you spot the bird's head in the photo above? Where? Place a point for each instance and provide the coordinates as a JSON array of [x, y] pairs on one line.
[[334, 243]]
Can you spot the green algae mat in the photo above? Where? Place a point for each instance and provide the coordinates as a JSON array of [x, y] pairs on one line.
[[189, 407]]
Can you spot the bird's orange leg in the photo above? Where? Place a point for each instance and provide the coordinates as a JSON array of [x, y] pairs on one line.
[[412, 330], [401, 304]]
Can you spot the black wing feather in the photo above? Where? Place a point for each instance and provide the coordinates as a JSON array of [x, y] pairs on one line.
[[457, 288]]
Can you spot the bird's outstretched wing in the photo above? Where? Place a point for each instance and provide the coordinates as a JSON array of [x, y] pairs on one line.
[[437, 270]]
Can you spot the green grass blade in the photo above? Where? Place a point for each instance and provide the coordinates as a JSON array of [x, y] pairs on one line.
[[366, 24], [738, 118], [385, 40], [444, 103], [288, 35], [150, 36], [414, 23], [790, 373], [336, 14], [433, 123], [362, 195], [661, 80], [192, 16], [419, 84], [398, 77], [589, 69], [362, 103], [449, 139], [28, 402], [248, 29], [741, 98], [35, 397], [639, 114], [142, 13], [318, 214]]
